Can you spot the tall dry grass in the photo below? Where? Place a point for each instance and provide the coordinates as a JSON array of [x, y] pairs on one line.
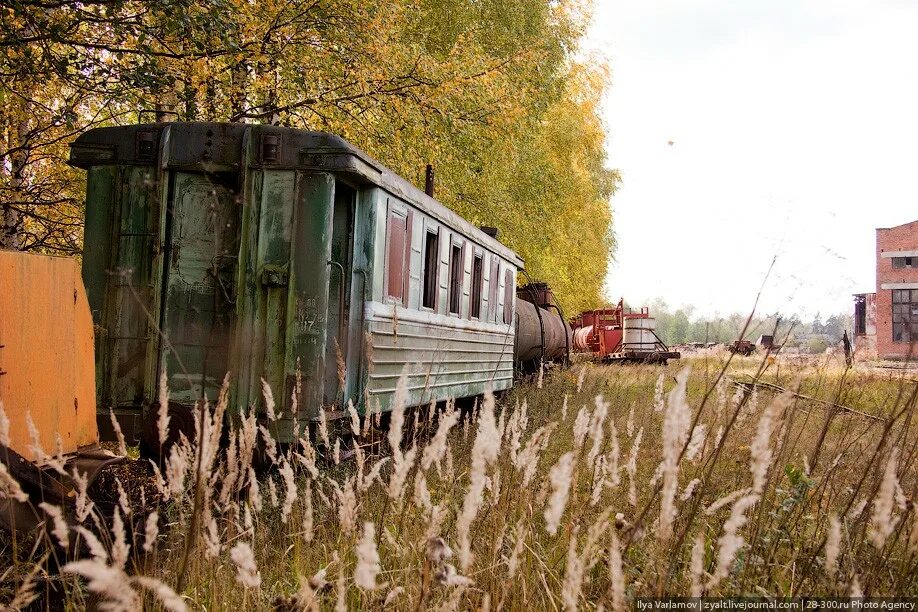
[[606, 484]]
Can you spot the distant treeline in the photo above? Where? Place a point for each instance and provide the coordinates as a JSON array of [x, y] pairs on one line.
[[683, 325]]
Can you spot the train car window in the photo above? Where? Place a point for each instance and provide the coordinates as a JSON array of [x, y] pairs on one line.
[[475, 303], [455, 279], [396, 240], [431, 268], [508, 296], [492, 289]]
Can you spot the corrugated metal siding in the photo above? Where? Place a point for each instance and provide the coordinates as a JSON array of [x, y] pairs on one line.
[[446, 356]]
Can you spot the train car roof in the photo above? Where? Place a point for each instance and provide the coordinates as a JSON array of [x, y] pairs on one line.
[[218, 147]]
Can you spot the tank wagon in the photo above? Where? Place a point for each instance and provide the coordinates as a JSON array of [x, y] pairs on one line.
[[264, 251], [620, 334], [541, 337]]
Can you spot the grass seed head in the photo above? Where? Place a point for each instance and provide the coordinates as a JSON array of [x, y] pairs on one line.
[[882, 522], [151, 531], [833, 545], [247, 573], [10, 487], [4, 427], [676, 423], [61, 530], [559, 477], [485, 451], [368, 567]]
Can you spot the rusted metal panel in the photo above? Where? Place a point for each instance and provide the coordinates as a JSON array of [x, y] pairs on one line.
[[283, 306], [119, 270], [46, 353], [199, 281], [310, 277]]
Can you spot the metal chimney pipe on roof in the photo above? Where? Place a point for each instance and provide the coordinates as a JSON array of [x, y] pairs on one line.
[[429, 180]]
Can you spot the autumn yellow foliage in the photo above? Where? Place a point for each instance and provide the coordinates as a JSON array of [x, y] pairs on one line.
[[494, 94]]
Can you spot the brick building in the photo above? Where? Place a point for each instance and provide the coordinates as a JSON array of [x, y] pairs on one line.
[[887, 322]]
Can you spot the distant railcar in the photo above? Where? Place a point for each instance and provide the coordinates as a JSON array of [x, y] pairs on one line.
[[263, 251], [620, 335]]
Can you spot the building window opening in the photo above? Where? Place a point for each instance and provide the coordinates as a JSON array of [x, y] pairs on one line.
[[860, 316], [905, 315], [455, 279], [431, 267], [475, 305], [899, 263]]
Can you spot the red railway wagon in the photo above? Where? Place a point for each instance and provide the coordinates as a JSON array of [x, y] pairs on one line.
[[620, 334]]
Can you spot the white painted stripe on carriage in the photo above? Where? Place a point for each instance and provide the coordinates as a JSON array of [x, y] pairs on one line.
[[389, 324], [446, 384], [386, 327], [379, 312], [436, 333], [899, 286], [385, 362], [441, 373], [461, 345], [388, 347], [889, 254]]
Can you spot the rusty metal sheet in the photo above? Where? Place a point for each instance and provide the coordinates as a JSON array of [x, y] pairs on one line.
[[46, 359]]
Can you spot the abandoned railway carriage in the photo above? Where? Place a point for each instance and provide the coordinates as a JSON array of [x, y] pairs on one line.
[[257, 250]]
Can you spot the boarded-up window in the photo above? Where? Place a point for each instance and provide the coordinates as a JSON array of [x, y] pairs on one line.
[[431, 268], [397, 246], [860, 315], [508, 296], [455, 278], [905, 315], [492, 289], [475, 298]]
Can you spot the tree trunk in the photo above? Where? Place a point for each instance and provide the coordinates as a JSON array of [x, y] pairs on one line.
[[11, 229]]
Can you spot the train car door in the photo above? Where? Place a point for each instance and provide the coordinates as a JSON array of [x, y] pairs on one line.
[[202, 246], [339, 296]]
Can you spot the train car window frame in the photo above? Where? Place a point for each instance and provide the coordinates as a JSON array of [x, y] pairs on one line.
[[493, 282], [477, 282], [508, 296], [396, 289], [430, 271], [456, 278]]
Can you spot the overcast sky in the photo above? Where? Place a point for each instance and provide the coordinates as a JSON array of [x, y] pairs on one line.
[[794, 127]]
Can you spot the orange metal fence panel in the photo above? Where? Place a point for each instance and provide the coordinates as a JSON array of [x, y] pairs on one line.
[[47, 365]]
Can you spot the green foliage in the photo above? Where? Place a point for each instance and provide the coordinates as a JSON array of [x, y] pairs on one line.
[[816, 345], [489, 92]]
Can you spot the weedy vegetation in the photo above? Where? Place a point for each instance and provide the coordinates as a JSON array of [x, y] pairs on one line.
[[604, 484]]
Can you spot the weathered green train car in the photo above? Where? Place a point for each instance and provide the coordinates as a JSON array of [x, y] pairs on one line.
[[257, 251]]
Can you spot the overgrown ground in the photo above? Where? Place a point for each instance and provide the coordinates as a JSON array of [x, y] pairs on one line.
[[605, 484]]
